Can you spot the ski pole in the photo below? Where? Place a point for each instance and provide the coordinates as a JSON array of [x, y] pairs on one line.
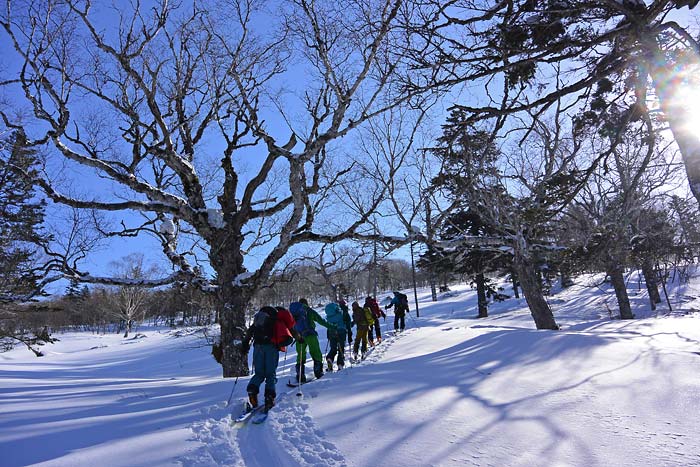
[[299, 393], [412, 319], [284, 364], [232, 390], [228, 402], [300, 363]]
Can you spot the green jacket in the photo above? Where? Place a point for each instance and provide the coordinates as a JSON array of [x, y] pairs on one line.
[[312, 317]]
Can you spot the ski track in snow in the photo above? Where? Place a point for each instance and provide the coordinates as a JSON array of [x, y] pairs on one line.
[[289, 437], [216, 435]]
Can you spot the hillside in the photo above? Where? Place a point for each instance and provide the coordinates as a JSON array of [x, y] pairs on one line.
[[450, 391]]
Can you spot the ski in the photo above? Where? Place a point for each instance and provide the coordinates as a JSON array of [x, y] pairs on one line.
[[294, 384], [249, 412], [259, 417]]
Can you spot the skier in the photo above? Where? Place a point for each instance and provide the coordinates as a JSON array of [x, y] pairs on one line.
[[336, 337], [377, 313], [347, 318], [271, 332], [362, 318], [306, 317], [400, 304]]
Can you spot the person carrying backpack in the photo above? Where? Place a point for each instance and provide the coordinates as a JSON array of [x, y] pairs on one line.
[[271, 332], [362, 318], [306, 319], [377, 313], [400, 304], [347, 318], [336, 337]]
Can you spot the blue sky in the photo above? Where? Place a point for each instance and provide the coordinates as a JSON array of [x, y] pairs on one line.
[[82, 182]]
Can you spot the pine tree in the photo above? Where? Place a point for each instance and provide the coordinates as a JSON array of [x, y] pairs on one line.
[[21, 216]]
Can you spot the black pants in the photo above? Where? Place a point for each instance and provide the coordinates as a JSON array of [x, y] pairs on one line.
[[336, 342], [375, 329], [399, 319]]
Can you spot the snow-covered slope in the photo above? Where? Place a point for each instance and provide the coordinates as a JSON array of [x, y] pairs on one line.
[[449, 391]]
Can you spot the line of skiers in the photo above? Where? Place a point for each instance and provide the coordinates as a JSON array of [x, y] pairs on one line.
[[275, 328]]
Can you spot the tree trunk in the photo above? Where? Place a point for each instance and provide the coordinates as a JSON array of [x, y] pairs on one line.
[[232, 305], [666, 84], [532, 289], [618, 282], [514, 279], [481, 295], [652, 282], [232, 301], [565, 279]]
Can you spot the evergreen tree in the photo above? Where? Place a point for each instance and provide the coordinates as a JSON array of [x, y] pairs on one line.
[[21, 216]]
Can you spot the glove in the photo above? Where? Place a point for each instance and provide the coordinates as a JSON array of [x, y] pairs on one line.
[[386, 307]]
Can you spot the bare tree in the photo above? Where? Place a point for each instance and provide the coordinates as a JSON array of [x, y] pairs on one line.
[[614, 220], [131, 299], [332, 263], [600, 51], [170, 107]]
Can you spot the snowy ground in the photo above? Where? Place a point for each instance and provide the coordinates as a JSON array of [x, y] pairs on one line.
[[450, 391]]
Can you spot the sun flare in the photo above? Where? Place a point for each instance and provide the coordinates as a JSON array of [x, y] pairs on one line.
[[688, 98]]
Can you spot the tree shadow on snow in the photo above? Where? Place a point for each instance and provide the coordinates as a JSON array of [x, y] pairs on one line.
[[462, 369]]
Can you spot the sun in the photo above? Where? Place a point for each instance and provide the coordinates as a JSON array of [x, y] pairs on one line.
[[687, 97]]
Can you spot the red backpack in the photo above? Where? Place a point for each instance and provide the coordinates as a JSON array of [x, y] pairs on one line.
[[374, 306]]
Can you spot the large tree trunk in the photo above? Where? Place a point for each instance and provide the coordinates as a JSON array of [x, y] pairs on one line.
[[232, 305], [481, 295], [618, 282], [652, 282], [675, 108], [232, 301], [532, 289]]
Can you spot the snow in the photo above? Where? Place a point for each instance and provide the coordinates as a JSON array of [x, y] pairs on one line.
[[238, 280], [450, 391], [216, 218], [167, 227]]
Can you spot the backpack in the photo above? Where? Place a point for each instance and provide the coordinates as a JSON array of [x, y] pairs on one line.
[[374, 306], [334, 315], [403, 300], [264, 325], [301, 324]]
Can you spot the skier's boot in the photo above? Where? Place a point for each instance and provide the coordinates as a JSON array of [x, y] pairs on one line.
[[330, 364], [318, 369], [269, 400], [253, 399]]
